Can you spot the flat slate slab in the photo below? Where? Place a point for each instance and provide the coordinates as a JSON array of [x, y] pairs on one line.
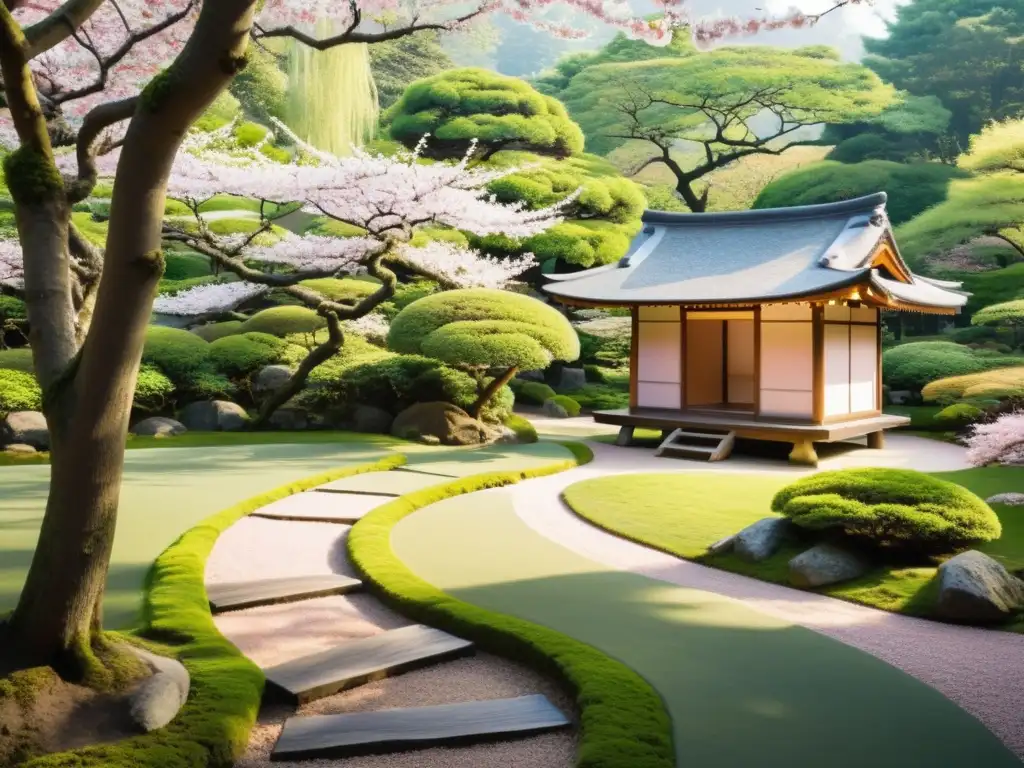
[[361, 661], [312, 506], [391, 730], [234, 596], [391, 483]]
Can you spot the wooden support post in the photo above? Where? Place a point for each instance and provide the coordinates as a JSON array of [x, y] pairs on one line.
[[803, 453], [876, 440], [625, 436]]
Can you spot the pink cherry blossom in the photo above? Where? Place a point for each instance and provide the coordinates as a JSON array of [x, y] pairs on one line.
[[373, 327], [999, 441], [207, 299], [465, 267]]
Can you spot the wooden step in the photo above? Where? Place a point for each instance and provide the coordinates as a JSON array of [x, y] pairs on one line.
[[701, 446], [384, 483], [391, 730], [235, 596], [362, 661], [311, 506]]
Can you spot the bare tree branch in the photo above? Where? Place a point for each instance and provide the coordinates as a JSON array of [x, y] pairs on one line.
[[98, 120]]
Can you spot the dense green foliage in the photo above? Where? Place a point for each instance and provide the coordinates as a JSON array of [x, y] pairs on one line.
[[914, 129], [261, 88], [153, 390], [993, 386], [214, 331], [994, 287], [999, 147], [532, 392], [19, 391], [238, 356], [967, 53], [623, 720], [460, 105], [892, 509], [568, 404], [911, 188], [487, 328], [184, 358], [1009, 313], [524, 430], [184, 266], [283, 321], [959, 415], [398, 63], [912, 366], [347, 289]]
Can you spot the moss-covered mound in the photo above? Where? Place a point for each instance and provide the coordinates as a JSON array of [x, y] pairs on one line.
[[912, 366], [18, 391], [890, 510], [1000, 384], [282, 321]]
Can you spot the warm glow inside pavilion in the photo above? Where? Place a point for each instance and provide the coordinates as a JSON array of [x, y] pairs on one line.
[[759, 324]]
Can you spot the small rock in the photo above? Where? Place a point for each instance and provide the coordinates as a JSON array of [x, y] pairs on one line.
[[159, 426], [506, 436], [572, 379], [975, 588], [289, 419], [447, 423], [271, 377], [159, 698], [27, 428], [825, 564], [762, 539], [531, 376], [554, 410], [370, 418], [214, 415], [723, 545], [20, 448], [1009, 499]]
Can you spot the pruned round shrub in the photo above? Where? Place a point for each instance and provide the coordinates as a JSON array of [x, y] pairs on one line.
[[524, 430], [569, 405], [153, 390], [244, 354], [179, 354], [17, 359], [343, 289], [959, 415], [214, 331], [533, 392], [912, 366], [896, 510], [1000, 384], [19, 391], [282, 321]]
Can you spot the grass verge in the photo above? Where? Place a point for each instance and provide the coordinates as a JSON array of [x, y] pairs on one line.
[[683, 514], [623, 720], [212, 729]]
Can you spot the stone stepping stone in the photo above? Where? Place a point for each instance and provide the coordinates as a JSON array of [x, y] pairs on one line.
[[383, 483], [310, 506], [391, 730], [234, 596], [361, 661]]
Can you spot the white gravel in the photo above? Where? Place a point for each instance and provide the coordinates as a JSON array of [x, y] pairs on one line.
[[260, 548], [981, 670]]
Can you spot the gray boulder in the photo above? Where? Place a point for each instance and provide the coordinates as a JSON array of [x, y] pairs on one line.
[[271, 377], [825, 564], [975, 588], [214, 416], [531, 376], [20, 448], [159, 426], [369, 418], [900, 396], [554, 410], [762, 539], [722, 545], [27, 428], [159, 698], [572, 379], [289, 419], [1009, 499]]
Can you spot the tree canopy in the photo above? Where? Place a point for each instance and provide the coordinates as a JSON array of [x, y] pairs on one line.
[[459, 106], [397, 63], [914, 128], [912, 188], [727, 104], [967, 53]]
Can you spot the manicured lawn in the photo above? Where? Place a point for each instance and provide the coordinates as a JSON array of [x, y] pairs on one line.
[[166, 492], [683, 514], [742, 688]]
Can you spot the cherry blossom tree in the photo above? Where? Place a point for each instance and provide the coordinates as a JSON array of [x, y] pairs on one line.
[[999, 441], [86, 75]]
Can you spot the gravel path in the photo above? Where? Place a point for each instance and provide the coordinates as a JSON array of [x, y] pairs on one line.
[[981, 670], [260, 548]]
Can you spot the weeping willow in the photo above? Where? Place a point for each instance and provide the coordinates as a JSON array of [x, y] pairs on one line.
[[332, 99]]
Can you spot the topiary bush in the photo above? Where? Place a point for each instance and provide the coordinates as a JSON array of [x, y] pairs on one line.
[[570, 406], [533, 392], [912, 366], [524, 430], [959, 415], [282, 321], [346, 289], [19, 392], [242, 355], [153, 390], [602, 397], [214, 331], [1000, 384], [185, 359], [892, 510]]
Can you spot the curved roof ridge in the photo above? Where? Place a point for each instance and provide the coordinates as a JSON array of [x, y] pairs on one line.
[[864, 204]]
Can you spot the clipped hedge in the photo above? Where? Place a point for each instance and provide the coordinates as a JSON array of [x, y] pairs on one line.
[[570, 406], [282, 321], [212, 729], [19, 391], [244, 354], [185, 359], [912, 366], [623, 721], [1000, 384], [533, 392], [153, 390], [895, 510], [525, 431], [214, 331], [959, 415]]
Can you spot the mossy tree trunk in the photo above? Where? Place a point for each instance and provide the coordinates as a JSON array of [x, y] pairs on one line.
[[88, 389], [491, 390]]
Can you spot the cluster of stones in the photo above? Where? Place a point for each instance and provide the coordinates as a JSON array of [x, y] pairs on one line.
[[972, 587]]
